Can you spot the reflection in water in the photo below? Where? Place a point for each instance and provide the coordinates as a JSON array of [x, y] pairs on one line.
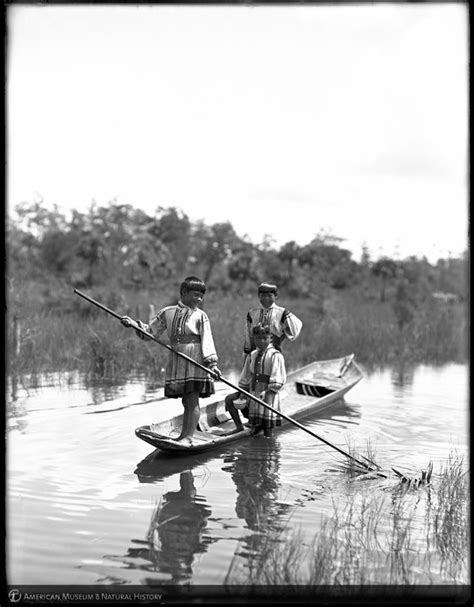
[[402, 376], [14, 386], [16, 409], [255, 472], [157, 466], [69, 477], [175, 536], [176, 531], [350, 413], [102, 390], [107, 389]]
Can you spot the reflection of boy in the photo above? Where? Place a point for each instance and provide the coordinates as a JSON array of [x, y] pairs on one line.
[[255, 474], [179, 527], [263, 375]]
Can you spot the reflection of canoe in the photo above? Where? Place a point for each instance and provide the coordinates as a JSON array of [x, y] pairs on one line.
[[308, 390], [158, 465]]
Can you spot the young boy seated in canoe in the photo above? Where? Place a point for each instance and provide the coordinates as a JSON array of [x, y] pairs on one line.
[[263, 375], [189, 331], [282, 323]]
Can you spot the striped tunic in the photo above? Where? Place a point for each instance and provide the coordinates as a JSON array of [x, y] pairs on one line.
[[264, 370], [282, 323], [189, 332]]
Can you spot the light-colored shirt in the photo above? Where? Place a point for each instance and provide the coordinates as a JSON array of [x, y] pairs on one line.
[[182, 320], [281, 321], [263, 369]]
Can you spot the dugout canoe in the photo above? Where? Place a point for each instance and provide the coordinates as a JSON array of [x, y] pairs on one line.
[[307, 391]]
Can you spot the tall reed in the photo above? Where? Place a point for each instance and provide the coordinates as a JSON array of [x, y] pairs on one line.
[[389, 537], [58, 331]]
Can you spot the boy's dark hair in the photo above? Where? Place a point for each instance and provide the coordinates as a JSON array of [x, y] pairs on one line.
[[192, 283], [261, 330], [266, 287]]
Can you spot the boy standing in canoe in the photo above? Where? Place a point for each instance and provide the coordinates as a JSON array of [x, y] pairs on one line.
[[263, 375], [189, 331], [281, 322]]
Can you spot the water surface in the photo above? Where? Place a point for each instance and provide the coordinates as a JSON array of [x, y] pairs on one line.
[[88, 504]]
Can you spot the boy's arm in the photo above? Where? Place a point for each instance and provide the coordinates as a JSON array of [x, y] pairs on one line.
[[278, 373], [246, 375], [145, 327], [291, 325], [129, 322], [156, 326], [209, 354], [248, 341]]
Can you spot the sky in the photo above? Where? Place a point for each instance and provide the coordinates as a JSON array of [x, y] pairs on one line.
[[287, 121]]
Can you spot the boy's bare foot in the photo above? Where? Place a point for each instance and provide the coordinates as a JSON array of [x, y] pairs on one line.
[[185, 440]]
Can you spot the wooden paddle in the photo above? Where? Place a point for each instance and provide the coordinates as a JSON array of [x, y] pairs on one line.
[[373, 467]]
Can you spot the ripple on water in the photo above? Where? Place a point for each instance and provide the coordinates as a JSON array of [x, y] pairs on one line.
[[88, 504]]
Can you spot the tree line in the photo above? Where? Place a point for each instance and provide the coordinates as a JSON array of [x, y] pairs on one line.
[[120, 243]]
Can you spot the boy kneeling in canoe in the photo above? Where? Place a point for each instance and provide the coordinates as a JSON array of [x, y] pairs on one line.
[[263, 375]]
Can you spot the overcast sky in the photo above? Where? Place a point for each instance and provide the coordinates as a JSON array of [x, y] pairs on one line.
[[284, 120]]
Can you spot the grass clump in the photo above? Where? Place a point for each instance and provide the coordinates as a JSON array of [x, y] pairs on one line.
[[450, 510], [390, 537]]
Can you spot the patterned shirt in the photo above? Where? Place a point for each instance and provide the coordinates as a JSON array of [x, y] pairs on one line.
[[282, 323], [263, 370], [181, 323]]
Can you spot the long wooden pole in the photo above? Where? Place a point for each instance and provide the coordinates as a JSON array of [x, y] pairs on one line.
[[135, 326]]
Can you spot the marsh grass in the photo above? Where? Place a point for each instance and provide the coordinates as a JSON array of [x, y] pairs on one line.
[[388, 537], [351, 465], [450, 511], [59, 332]]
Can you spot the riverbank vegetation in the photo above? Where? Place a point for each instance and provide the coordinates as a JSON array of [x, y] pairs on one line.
[[388, 312], [392, 536]]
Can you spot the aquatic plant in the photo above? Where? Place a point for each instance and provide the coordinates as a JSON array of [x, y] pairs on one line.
[[352, 466], [389, 537], [450, 510], [354, 469], [416, 480]]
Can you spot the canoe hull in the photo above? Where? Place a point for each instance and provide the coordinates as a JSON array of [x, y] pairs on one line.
[[202, 441], [332, 378]]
